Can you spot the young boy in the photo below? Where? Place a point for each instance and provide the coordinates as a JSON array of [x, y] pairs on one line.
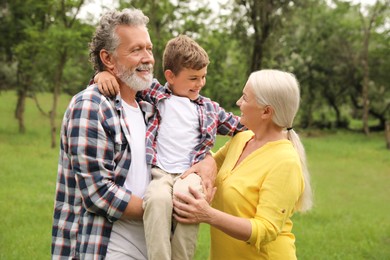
[[180, 132]]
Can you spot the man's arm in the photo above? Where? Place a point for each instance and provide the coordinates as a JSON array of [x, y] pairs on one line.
[[93, 137], [134, 209]]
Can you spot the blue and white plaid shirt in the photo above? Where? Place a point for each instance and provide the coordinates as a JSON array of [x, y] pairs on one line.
[[93, 164]]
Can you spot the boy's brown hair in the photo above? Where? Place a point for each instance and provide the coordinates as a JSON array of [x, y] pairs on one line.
[[183, 52]]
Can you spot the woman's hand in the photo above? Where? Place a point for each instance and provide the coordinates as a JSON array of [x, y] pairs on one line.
[[207, 170], [194, 209], [107, 83]]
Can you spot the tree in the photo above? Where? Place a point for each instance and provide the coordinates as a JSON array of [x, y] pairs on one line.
[[367, 26], [256, 21], [309, 47], [322, 46], [64, 39], [23, 21], [44, 36]]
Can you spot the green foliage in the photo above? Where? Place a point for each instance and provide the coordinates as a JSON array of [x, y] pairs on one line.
[[226, 75], [349, 176], [322, 45], [321, 42], [40, 35], [73, 43]]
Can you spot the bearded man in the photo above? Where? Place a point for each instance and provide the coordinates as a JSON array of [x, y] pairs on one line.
[[102, 171]]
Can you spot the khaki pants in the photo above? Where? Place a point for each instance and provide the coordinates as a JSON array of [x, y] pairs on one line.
[[165, 238]]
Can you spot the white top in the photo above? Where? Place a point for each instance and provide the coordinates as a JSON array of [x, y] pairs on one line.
[[138, 178], [128, 237], [178, 133]]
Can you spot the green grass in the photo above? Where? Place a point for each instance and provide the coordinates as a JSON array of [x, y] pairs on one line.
[[350, 176], [350, 220]]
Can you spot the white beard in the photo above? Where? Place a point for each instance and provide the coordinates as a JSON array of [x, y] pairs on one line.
[[132, 80]]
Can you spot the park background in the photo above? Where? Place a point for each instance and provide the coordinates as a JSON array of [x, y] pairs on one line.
[[339, 51]]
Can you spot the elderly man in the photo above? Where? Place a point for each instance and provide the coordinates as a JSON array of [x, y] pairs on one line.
[[102, 171]]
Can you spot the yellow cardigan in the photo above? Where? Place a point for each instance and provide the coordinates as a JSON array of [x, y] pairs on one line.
[[264, 188]]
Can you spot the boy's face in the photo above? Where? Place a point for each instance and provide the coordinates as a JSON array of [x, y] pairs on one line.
[[187, 83]]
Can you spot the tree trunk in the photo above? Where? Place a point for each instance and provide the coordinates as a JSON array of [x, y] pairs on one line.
[[387, 134], [260, 13], [366, 103], [366, 75], [19, 110], [23, 83], [257, 56], [56, 94]]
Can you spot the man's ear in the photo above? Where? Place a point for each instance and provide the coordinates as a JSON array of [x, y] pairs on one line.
[[169, 76], [107, 59]]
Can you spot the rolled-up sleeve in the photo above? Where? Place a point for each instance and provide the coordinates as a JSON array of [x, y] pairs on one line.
[[228, 123]]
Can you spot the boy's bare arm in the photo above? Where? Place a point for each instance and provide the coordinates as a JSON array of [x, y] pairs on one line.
[[107, 83]]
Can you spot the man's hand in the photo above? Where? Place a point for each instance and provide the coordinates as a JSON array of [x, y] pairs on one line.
[[207, 170]]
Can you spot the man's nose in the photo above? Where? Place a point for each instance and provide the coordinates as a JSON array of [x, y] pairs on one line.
[[148, 57]]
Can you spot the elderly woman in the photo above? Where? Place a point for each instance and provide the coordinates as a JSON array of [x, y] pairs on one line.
[[262, 177]]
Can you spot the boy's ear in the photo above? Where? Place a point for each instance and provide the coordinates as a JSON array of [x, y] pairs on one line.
[[169, 76], [107, 59]]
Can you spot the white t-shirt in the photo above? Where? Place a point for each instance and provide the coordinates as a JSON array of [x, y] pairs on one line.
[[138, 178], [127, 240], [178, 134]]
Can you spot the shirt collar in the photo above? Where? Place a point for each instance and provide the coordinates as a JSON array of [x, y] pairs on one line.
[[199, 100]]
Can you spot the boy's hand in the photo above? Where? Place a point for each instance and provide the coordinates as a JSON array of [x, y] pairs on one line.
[[107, 83], [207, 170]]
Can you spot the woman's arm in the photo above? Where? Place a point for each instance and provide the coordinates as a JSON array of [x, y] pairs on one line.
[[195, 209]]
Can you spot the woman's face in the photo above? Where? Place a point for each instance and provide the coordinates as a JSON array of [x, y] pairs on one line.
[[250, 109]]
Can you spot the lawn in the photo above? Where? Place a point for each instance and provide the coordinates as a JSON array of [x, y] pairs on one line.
[[350, 176]]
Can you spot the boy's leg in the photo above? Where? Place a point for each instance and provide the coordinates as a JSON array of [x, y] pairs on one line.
[[185, 235], [158, 215]]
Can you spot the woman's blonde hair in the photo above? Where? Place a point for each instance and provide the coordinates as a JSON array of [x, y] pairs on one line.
[[280, 90]]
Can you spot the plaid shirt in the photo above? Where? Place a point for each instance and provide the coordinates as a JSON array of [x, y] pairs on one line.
[[213, 120], [93, 164]]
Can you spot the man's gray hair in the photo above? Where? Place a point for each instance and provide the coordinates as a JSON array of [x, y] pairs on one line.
[[105, 36]]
